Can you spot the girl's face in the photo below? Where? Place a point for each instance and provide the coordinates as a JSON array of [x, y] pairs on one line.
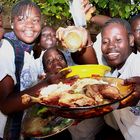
[[54, 61], [116, 44], [48, 38], [136, 32], [27, 27]]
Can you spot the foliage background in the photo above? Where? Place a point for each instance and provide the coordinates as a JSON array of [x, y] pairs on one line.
[[56, 12]]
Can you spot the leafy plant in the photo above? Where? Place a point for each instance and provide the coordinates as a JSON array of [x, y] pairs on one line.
[[117, 8], [56, 12]]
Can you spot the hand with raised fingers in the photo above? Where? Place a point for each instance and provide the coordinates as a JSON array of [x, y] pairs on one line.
[[89, 9], [61, 77]]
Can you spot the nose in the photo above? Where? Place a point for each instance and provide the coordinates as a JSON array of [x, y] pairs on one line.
[[111, 44], [29, 23]]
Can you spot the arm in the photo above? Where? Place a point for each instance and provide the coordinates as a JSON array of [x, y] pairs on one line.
[[99, 19], [87, 55], [11, 102]]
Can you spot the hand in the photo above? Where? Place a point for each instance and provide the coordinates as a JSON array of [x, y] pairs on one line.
[[135, 81], [89, 9], [135, 96], [61, 34], [61, 77]]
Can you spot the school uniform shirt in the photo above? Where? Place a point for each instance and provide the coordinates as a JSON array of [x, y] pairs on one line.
[[128, 119], [7, 67], [97, 48], [68, 57]]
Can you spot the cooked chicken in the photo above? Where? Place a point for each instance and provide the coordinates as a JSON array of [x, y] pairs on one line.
[[73, 100], [110, 92], [53, 98], [93, 92], [100, 91]]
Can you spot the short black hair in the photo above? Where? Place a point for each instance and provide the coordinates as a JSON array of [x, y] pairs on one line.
[[120, 21], [135, 17], [20, 7]]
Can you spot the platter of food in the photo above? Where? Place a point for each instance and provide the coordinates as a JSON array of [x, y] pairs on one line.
[[39, 122], [85, 98]]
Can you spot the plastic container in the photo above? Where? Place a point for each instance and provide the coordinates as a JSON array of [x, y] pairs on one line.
[[77, 12], [84, 71]]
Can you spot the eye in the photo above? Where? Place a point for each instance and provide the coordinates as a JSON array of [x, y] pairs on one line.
[[60, 58], [104, 42], [49, 61], [44, 35], [118, 40], [36, 20], [21, 18]]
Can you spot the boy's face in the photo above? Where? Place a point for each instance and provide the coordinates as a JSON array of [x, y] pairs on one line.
[[136, 32], [27, 26], [48, 38], [115, 44], [54, 61]]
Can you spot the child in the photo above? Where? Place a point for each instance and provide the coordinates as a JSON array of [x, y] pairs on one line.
[[117, 43], [48, 39], [135, 25], [26, 24], [54, 61], [3, 118]]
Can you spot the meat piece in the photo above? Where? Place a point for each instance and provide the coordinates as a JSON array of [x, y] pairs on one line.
[[100, 91], [73, 100], [109, 92], [52, 99], [92, 91]]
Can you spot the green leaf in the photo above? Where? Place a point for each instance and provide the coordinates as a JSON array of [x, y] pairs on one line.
[[127, 8]]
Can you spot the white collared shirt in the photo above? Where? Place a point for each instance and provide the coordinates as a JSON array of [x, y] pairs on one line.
[[127, 119]]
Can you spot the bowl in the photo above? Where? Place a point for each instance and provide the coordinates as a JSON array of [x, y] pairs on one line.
[[84, 71], [85, 112], [39, 122]]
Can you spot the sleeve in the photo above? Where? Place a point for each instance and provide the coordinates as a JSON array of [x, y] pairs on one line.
[[135, 65], [7, 61]]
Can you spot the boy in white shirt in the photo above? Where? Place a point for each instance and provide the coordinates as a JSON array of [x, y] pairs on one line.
[[117, 40]]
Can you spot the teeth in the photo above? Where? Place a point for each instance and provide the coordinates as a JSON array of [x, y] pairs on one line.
[[49, 42], [113, 55], [28, 33]]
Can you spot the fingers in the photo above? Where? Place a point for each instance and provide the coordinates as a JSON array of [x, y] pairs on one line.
[[90, 12], [132, 80], [60, 33], [64, 73], [88, 8]]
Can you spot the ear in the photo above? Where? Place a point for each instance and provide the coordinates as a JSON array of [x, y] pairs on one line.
[[12, 27], [131, 40]]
